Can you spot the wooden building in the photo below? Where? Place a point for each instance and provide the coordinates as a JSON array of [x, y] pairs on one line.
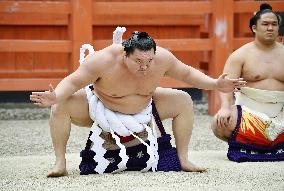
[[40, 40]]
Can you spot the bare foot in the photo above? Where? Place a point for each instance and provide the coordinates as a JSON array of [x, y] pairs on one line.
[[190, 167], [58, 170]]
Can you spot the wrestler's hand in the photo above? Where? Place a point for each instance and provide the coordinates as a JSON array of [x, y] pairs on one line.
[[224, 118], [44, 99], [226, 84]]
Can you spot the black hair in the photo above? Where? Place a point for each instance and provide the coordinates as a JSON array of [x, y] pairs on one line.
[[140, 41], [264, 8]]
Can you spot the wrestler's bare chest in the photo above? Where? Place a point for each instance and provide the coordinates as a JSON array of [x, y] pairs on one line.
[[120, 85], [127, 93], [264, 70]]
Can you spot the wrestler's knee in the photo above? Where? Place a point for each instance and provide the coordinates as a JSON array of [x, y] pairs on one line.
[[59, 108], [185, 100], [219, 132]]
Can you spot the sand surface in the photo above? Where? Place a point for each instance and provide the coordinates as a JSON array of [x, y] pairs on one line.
[[26, 155]]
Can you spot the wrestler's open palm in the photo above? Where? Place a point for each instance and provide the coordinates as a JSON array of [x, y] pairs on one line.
[[44, 99], [226, 84]]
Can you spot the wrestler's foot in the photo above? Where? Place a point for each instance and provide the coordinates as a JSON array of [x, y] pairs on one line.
[[58, 170], [190, 167]]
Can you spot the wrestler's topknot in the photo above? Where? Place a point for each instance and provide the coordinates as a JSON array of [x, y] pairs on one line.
[[140, 41], [142, 35], [265, 6]]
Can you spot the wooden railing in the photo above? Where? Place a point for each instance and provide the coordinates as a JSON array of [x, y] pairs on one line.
[[83, 18]]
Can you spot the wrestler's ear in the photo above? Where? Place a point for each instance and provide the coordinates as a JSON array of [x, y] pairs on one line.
[[253, 28]]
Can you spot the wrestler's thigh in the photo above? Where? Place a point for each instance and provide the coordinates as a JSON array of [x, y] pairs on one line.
[[78, 109], [171, 102]]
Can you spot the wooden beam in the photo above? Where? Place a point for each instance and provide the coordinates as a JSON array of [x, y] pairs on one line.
[[80, 28], [186, 44], [148, 20], [33, 19], [47, 7], [33, 73], [32, 84], [11, 45], [252, 6], [171, 44], [152, 8]]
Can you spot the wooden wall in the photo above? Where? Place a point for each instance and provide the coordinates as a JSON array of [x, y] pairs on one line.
[[40, 40]]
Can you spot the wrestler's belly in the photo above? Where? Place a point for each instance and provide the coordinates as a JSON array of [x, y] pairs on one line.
[[267, 84], [130, 104]]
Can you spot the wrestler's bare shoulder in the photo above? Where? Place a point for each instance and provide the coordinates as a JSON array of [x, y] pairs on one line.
[[246, 48], [239, 55], [251, 46], [109, 52], [162, 52], [250, 50], [104, 58], [164, 56]]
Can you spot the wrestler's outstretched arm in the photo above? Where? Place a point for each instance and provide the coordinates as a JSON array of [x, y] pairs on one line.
[[196, 78], [87, 73]]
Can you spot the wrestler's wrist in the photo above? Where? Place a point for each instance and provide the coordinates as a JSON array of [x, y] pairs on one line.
[[56, 98], [215, 84], [225, 107]]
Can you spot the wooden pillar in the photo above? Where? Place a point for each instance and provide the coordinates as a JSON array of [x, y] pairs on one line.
[[222, 34], [80, 28]]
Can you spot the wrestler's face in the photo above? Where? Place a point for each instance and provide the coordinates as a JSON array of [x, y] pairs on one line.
[[139, 62], [267, 28]]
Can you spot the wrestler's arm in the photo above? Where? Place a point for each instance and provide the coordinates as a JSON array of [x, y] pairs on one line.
[[87, 73], [233, 67], [196, 78], [188, 74]]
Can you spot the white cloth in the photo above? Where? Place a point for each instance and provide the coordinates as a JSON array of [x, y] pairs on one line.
[[265, 104]]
